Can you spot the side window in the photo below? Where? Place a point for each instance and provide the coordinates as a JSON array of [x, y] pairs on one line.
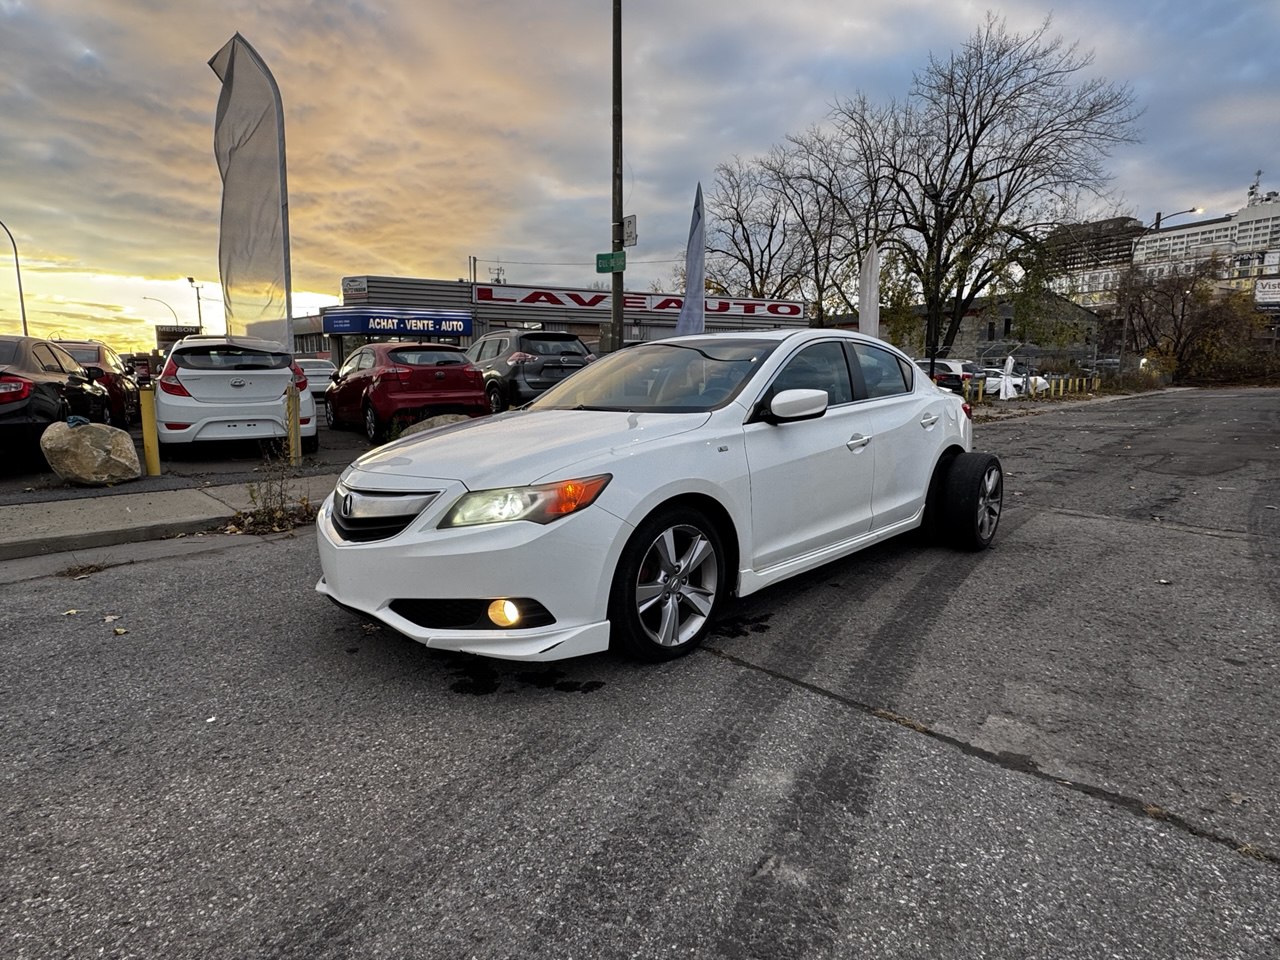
[[68, 363], [349, 365], [44, 356], [820, 366], [494, 348], [365, 361], [882, 374], [113, 362]]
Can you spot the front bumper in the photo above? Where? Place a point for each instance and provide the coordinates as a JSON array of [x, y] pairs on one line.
[[567, 566]]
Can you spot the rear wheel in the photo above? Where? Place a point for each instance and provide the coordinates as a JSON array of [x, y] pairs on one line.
[[669, 580], [311, 444], [972, 500], [494, 395], [330, 420], [373, 428]]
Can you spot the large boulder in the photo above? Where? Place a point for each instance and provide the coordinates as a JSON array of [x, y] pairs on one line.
[[92, 454]]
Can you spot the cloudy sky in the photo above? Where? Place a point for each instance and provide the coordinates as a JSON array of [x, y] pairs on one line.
[[421, 133]]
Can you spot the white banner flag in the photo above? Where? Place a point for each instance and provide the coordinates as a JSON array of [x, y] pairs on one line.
[[693, 312], [869, 293]]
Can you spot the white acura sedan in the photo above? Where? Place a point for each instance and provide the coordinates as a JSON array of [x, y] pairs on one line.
[[623, 506]]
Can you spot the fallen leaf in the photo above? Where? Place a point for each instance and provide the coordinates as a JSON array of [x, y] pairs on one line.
[[111, 618], [1165, 583], [69, 613], [1237, 798], [120, 631]]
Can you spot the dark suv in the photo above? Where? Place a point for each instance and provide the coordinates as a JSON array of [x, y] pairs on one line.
[[107, 368], [518, 365]]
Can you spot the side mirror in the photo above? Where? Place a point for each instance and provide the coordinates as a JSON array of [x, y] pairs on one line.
[[334, 376], [95, 373], [790, 406]]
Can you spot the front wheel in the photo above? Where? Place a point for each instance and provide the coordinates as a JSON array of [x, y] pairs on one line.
[[669, 580], [972, 500]]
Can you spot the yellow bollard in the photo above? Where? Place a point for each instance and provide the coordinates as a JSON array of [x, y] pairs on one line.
[[292, 412], [150, 439]]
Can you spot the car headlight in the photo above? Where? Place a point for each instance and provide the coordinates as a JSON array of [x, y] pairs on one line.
[[540, 504]]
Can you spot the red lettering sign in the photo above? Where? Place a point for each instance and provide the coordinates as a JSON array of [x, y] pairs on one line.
[[486, 294]]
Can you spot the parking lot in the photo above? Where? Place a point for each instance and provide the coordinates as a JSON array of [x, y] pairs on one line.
[[1065, 746]]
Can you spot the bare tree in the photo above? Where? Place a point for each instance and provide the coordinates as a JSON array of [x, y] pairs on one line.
[[991, 144], [751, 241], [1185, 325]]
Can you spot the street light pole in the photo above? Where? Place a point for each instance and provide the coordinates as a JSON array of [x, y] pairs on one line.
[[171, 310], [22, 305], [199, 315]]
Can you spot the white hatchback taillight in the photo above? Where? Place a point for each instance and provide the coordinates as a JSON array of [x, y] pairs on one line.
[[169, 381], [299, 378]]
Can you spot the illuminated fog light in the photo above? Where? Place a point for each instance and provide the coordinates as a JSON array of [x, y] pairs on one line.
[[504, 613]]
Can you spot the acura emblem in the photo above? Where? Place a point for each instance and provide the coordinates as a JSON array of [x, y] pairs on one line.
[[238, 382]]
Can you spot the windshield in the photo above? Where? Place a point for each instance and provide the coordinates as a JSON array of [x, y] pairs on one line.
[[679, 377]]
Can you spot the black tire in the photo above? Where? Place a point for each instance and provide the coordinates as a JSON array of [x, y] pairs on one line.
[[497, 403], [932, 527], [972, 500], [373, 428], [669, 581], [311, 444]]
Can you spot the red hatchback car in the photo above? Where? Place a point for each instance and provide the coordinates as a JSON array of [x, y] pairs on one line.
[[383, 383]]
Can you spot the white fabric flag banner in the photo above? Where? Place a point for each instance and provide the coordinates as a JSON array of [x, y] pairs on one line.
[[869, 293], [1007, 390], [693, 312], [253, 241]]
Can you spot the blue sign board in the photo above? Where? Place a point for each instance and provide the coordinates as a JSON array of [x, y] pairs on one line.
[[395, 322]]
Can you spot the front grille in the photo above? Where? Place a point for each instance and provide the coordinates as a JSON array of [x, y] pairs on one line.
[[464, 614], [361, 517]]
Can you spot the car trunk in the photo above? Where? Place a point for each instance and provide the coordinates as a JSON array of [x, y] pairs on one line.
[[219, 374], [442, 376]]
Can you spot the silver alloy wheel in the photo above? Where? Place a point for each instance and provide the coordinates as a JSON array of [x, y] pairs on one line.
[[370, 424], [990, 500], [676, 585], [328, 415]]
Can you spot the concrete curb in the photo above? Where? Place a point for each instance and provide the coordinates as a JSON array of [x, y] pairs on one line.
[[36, 529]]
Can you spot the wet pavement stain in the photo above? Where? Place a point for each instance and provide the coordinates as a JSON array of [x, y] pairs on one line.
[[480, 679], [732, 628]]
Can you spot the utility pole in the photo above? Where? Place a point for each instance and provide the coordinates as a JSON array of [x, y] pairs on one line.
[[22, 304], [615, 313]]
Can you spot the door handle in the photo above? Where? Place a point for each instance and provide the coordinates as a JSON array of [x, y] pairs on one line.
[[928, 420], [857, 441]]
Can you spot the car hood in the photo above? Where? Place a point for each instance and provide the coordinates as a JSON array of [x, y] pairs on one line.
[[520, 447]]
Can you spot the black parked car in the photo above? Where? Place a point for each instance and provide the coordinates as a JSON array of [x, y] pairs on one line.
[[519, 365], [40, 384]]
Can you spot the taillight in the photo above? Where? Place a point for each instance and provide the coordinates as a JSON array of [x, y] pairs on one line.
[[13, 389], [402, 373], [299, 378], [591, 357], [521, 357], [968, 410], [169, 381], [966, 376]]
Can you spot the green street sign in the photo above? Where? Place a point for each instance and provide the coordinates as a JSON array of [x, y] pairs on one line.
[[611, 262]]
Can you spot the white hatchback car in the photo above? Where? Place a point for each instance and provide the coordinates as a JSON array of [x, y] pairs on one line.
[[231, 388], [621, 507]]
